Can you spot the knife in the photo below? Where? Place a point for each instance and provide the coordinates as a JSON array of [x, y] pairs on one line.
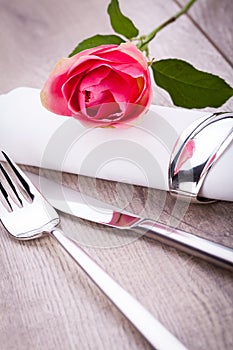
[[85, 207]]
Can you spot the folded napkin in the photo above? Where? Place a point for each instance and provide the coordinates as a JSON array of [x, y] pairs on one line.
[[138, 155]]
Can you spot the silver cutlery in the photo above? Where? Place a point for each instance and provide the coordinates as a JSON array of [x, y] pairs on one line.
[[26, 215], [196, 151], [86, 207]]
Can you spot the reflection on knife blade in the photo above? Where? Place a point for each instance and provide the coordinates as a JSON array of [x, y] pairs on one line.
[[75, 203]]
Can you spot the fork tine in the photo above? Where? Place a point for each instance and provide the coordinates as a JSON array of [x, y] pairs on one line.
[[24, 181], [9, 181], [4, 193]]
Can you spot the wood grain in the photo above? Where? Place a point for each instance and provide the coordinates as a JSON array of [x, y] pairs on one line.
[[46, 301], [214, 20]]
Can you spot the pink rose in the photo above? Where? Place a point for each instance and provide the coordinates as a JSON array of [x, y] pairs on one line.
[[108, 85]]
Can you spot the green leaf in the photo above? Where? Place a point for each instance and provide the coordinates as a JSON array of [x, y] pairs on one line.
[[97, 40], [120, 23], [189, 87]]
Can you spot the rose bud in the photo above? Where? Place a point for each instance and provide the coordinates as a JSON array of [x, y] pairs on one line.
[[106, 86]]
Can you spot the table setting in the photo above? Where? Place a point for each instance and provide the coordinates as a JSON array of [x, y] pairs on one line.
[[120, 152]]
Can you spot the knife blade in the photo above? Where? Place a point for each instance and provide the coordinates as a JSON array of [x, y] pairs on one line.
[[85, 207]]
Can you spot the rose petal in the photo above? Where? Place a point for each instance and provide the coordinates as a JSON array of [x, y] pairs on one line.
[[94, 77], [133, 51]]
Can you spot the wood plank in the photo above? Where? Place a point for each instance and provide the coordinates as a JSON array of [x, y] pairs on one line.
[[41, 43], [214, 19], [46, 302]]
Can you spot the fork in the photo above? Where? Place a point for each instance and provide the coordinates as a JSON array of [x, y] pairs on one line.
[[26, 215]]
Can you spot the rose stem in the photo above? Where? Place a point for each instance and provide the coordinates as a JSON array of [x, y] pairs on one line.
[[142, 46]]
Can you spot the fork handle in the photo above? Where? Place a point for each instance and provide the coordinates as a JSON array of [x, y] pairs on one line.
[[155, 333]]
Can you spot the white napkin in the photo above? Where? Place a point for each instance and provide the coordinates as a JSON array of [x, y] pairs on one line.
[[139, 155]]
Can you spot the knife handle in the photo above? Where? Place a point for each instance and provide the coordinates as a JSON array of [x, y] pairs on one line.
[[189, 243]]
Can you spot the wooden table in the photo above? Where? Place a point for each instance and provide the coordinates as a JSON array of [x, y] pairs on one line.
[[46, 301]]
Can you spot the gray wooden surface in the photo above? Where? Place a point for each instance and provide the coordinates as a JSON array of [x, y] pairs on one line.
[[46, 301]]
